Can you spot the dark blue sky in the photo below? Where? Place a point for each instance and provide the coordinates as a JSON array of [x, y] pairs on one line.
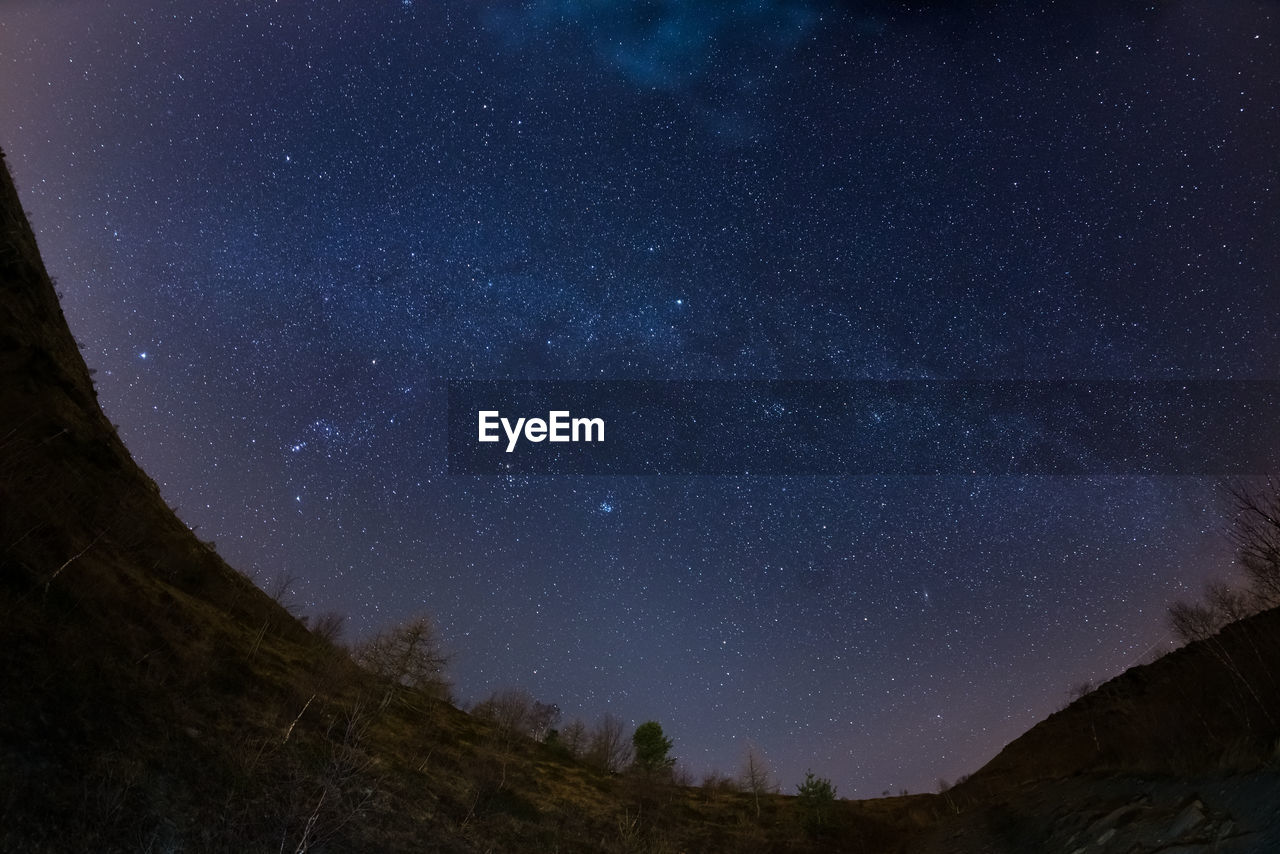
[[279, 228]]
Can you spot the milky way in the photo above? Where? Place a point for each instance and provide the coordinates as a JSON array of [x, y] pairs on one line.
[[279, 229]]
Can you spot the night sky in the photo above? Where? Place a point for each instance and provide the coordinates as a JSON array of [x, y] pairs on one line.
[[279, 229]]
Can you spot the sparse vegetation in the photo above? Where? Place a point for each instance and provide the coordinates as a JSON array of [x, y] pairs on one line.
[[515, 711], [329, 627], [1254, 529]]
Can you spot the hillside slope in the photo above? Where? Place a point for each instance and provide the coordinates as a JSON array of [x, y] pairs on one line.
[[1210, 705], [1182, 754], [155, 699]]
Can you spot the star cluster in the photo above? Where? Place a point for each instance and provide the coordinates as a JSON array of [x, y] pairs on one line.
[[279, 228]]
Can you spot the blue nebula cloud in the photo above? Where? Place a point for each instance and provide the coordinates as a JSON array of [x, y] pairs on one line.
[[672, 45]]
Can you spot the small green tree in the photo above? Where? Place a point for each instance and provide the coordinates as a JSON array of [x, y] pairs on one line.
[[816, 795], [651, 747]]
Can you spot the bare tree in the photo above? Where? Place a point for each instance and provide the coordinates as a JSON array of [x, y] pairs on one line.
[[543, 719], [1228, 603], [756, 776], [1255, 530], [608, 748], [281, 589], [575, 738], [407, 656], [507, 708], [329, 627], [681, 775], [1078, 690], [1193, 622], [1222, 604], [516, 711]]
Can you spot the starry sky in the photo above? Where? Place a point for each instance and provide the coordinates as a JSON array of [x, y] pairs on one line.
[[280, 228]]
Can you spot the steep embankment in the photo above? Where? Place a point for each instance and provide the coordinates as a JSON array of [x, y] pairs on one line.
[[1176, 755], [1211, 705], [155, 699], [135, 661]]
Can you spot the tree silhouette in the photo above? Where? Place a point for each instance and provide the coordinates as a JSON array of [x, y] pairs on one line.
[[406, 656], [756, 778], [1255, 531], [816, 795], [607, 747], [651, 747]]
